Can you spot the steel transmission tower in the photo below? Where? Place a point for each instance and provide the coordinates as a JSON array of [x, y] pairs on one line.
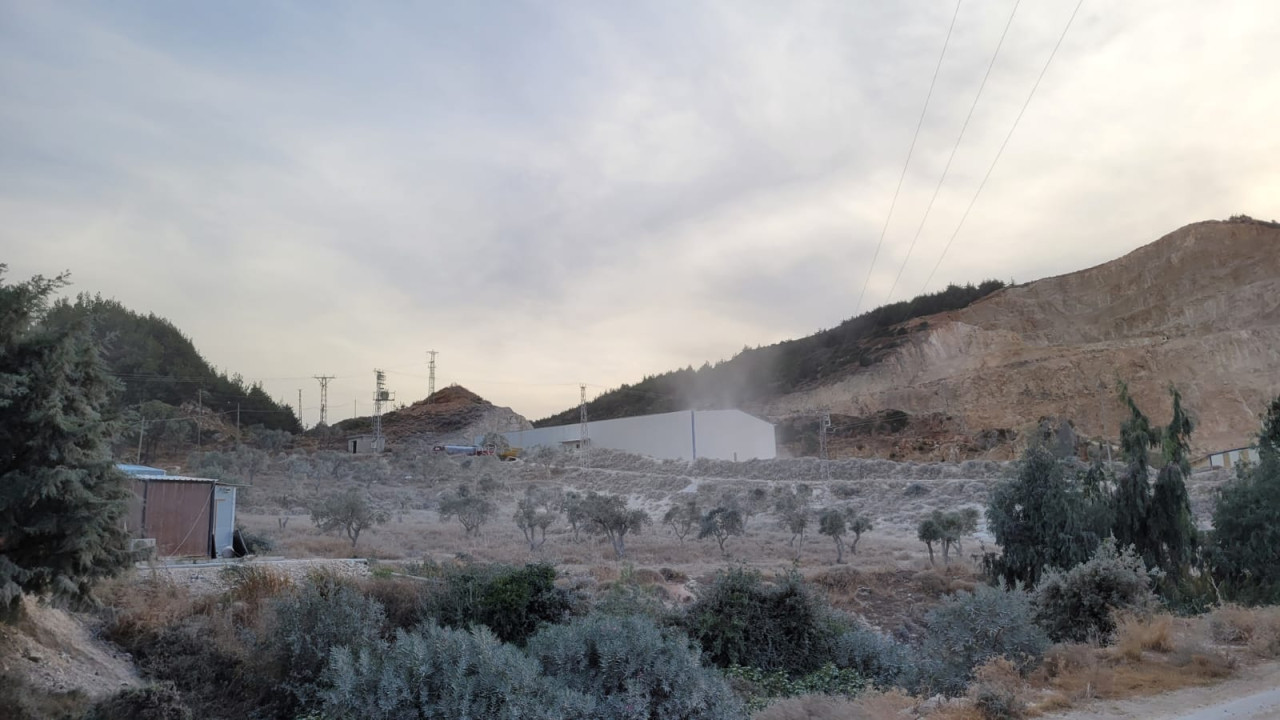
[[324, 397], [431, 373], [380, 395], [824, 428]]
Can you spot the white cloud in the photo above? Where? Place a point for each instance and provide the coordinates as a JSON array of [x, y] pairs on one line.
[[588, 193]]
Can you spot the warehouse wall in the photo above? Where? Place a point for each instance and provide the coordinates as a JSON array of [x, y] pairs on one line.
[[719, 434]]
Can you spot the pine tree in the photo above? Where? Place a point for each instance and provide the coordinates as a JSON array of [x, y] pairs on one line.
[[1173, 531], [62, 500], [1133, 489]]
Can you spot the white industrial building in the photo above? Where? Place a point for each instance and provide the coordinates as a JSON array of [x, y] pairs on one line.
[[684, 435]]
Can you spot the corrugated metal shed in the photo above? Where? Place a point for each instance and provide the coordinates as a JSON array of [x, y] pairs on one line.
[[186, 516]]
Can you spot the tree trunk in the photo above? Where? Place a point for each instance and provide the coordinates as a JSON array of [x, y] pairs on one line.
[[839, 550], [930, 546]]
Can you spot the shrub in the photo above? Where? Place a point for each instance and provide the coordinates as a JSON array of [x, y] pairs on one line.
[[968, 629], [761, 688], [323, 614], [512, 602], [741, 620], [873, 656], [1079, 604], [156, 702], [440, 673], [633, 671]]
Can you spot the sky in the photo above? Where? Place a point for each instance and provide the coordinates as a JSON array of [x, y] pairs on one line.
[[573, 192]]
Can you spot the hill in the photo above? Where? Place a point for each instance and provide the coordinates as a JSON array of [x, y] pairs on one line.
[[1199, 309], [761, 374], [165, 379], [450, 414], [970, 372]]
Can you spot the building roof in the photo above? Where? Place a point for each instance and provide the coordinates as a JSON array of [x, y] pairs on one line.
[[141, 470], [176, 478]]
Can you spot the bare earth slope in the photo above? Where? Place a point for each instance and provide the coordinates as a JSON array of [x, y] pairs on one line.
[[1199, 308]]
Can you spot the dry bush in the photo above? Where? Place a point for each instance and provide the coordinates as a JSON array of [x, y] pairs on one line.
[[135, 607], [1257, 628], [604, 573], [1199, 661], [252, 584], [998, 691], [1135, 634], [1075, 672]]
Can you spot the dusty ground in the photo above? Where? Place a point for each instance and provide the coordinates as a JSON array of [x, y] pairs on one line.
[[1254, 694], [57, 652]]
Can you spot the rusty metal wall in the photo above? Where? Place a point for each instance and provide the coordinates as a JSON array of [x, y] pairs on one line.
[[179, 516]]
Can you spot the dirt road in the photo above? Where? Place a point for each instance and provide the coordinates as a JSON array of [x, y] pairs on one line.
[[1252, 695]]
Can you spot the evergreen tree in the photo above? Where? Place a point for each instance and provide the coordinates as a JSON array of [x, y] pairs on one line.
[[1173, 531], [1042, 519], [1244, 549], [1133, 489], [62, 500]]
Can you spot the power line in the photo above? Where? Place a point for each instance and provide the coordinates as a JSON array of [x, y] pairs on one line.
[[919, 123], [947, 168], [1004, 144]]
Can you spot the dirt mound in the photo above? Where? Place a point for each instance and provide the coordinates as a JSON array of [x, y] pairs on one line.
[[451, 411], [1198, 308], [55, 652]]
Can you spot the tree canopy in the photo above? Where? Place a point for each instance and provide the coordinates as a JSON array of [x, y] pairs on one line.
[[62, 500]]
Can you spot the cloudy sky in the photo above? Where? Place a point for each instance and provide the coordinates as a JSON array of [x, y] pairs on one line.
[[567, 191]]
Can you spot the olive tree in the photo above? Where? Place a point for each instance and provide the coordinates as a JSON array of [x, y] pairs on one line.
[[349, 512], [609, 515]]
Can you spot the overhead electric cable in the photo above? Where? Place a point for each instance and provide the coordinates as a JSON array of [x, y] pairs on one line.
[[1000, 152], [910, 150], [947, 168]]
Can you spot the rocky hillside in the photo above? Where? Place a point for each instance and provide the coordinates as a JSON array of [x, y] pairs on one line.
[[452, 414], [1198, 308]]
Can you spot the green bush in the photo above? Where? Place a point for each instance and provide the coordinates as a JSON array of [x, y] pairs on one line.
[[761, 688], [512, 602], [742, 620], [633, 671], [1078, 604], [439, 673], [1244, 549], [873, 656], [968, 629], [323, 614]]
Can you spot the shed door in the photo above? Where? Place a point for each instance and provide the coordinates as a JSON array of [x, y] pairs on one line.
[[224, 523]]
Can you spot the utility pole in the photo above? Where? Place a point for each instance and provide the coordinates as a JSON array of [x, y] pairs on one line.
[[324, 397], [380, 395], [431, 373], [199, 413], [583, 440], [237, 420], [300, 423], [824, 427], [142, 426]]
